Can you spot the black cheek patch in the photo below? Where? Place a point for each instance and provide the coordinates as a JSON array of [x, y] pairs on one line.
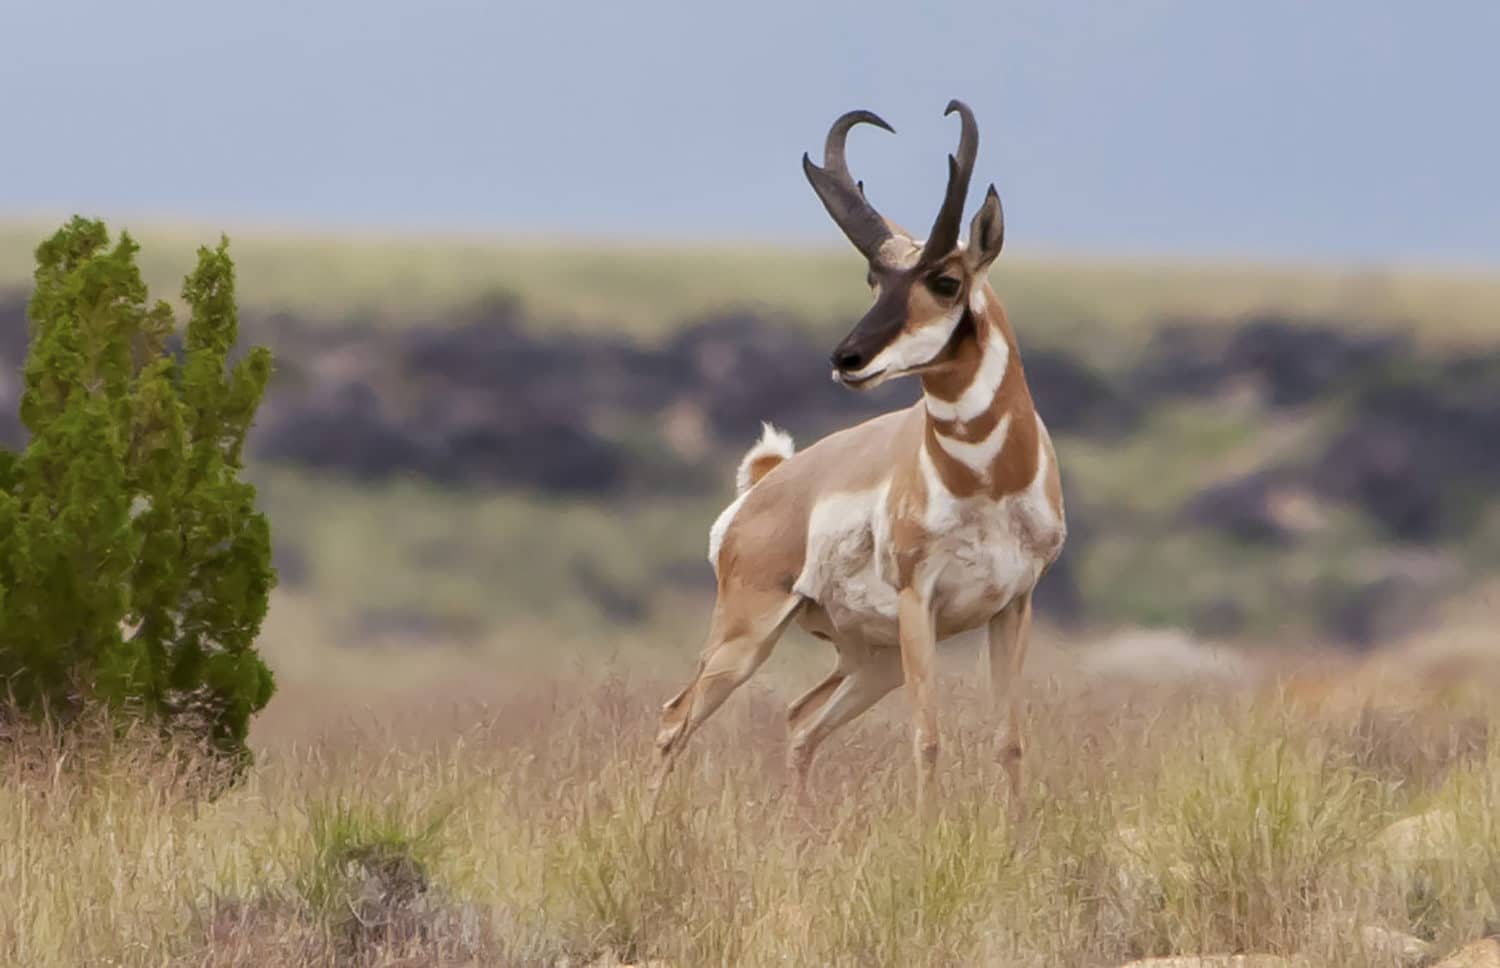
[[882, 324]]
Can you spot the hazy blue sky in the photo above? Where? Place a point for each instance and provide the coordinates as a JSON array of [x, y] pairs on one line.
[[1336, 129]]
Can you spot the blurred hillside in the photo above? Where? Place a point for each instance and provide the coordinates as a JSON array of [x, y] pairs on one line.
[[465, 438]]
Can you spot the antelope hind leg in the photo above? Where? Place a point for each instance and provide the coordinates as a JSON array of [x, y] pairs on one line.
[[742, 633]]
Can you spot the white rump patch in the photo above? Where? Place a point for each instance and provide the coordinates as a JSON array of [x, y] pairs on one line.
[[772, 443], [721, 525]]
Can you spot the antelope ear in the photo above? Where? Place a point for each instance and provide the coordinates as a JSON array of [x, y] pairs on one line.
[[986, 233]]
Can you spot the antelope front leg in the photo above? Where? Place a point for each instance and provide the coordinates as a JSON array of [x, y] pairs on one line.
[[1008, 634], [918, 651]]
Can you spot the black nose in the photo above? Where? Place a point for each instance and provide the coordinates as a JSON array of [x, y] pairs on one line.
[[847, 360]]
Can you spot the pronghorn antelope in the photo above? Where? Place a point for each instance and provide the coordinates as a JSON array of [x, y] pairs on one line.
[[890, 536]]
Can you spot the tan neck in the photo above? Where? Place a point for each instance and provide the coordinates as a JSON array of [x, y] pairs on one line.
[[981, 426]]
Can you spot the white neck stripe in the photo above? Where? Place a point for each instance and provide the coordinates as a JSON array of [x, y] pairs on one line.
[[980, 393], [979, 455]]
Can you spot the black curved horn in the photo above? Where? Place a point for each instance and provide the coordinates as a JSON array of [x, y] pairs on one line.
[[943, 238], [841, 195]]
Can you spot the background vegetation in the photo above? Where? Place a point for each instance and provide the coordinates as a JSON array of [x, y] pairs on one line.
[[1204, 412], [649, 290], [134, 566]]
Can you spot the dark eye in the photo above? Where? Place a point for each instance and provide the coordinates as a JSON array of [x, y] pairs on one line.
[[945, 286]]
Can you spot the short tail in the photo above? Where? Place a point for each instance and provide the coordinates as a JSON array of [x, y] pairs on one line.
[[774, 447]]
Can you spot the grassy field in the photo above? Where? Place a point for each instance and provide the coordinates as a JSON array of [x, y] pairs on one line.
[[648, 289], [453, 823]]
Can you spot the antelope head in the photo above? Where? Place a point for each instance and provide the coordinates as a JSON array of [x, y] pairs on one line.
[[924, 290]]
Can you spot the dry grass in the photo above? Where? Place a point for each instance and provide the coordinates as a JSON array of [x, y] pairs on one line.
[[436, 831]]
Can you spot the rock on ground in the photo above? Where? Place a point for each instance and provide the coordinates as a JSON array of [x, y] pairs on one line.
[[1480, 954], [1216, 961], [1163, 656], [1395, 947], [1427, 836]]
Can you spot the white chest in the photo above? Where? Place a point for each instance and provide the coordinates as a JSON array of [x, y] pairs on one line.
[[982, 559], [983, 552]]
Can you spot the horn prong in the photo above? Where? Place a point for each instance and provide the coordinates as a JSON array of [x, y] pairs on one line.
[[945, 228], [841, 195]]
